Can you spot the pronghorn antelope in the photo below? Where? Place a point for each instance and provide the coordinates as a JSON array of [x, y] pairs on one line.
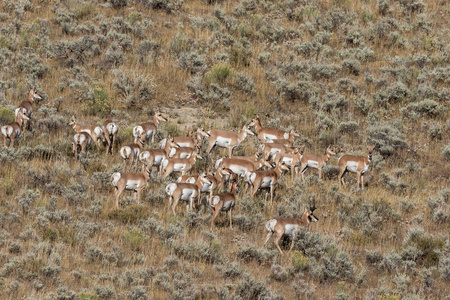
[[81, 141], [185, 191], [287, 142], [130, 181], [110, 130], [281, 226], [148, 128], [291, 160], [223, 202], [266, 133], [94, 131], [215, 179], [227, 139], [183, 152], [315, 161], [12, 130], [355, 164], [265, 179], [130, 152], [28, 104], [269, 150], [154, 157], [188, 141], [240, 166], [182, 165]]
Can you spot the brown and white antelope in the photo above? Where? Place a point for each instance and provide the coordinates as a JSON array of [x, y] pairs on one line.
[[95, 132], [292, 160], [130, 152], [240, 166], [183, 152], [81, 141], [12, 130], [286, 142], [110, 130], [215, 179], [266, 133], [148, 129], [227, 139], [188, 141], [185, 191], [315, 161], [269, 150], [33, 95], [265, 179], [281, 226], [355, 164], [182, 165], [154, 157], [130, 181], [223, 202]]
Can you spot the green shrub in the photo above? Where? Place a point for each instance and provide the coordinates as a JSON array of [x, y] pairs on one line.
[[129, 214], [6, 115], [98, 103], [299, 261], [219, 74], [134, 238]]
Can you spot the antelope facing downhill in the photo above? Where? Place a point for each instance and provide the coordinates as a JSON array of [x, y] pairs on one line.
[[292, 160], [355, 164], [185, 191], [130, 181], [286, 142], [227, 139], [81, 141], [182, 165], [130, 152], [188, 141], [94, 131], [266, 133], [271, 149], [110, 130], [265, 179], [281, 226], [315, 161], [28, 104], [12, 130], [154, 157], [223, 202], [148, 128]]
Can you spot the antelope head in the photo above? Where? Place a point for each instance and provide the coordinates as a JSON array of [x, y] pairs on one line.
[[295, 132], [254, 121], [202, 132], [310, 212], [72, 121], [33, 94], [283, 166], [246, 129], [159, 117], [172, 143], [330, 150]]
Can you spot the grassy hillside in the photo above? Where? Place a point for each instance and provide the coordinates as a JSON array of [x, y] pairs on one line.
[[346, 73]]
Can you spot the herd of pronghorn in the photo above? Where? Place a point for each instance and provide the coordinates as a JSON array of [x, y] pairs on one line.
[[179, 154]]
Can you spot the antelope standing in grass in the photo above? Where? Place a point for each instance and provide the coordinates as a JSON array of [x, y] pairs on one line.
[[130, 181], [184, 152], [266, 133], [281, 226], [188, 141], [130, 152], [110, 130], [81, 141], [265, 179], [355, 164], [182, 165], [269, 150], [223, 202], [12, 130], [315, 161], [185, 191], [94, 131], [240, 166], [286, 142], [215, 179], [28, 104], [154, 157], [291, 160], [227, 139], [148, 129]]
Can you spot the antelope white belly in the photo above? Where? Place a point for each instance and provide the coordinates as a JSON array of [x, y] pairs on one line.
[[184, 144], [223, 142], [238, 170], [270, 137], [172, 152], [352, 166], [158, 159], [275, 150], [227, 205], [313, 164], [187, 194], [185, 155], [132, 184], [266, 182], [289, 229], [178, 167], [288, 160]]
